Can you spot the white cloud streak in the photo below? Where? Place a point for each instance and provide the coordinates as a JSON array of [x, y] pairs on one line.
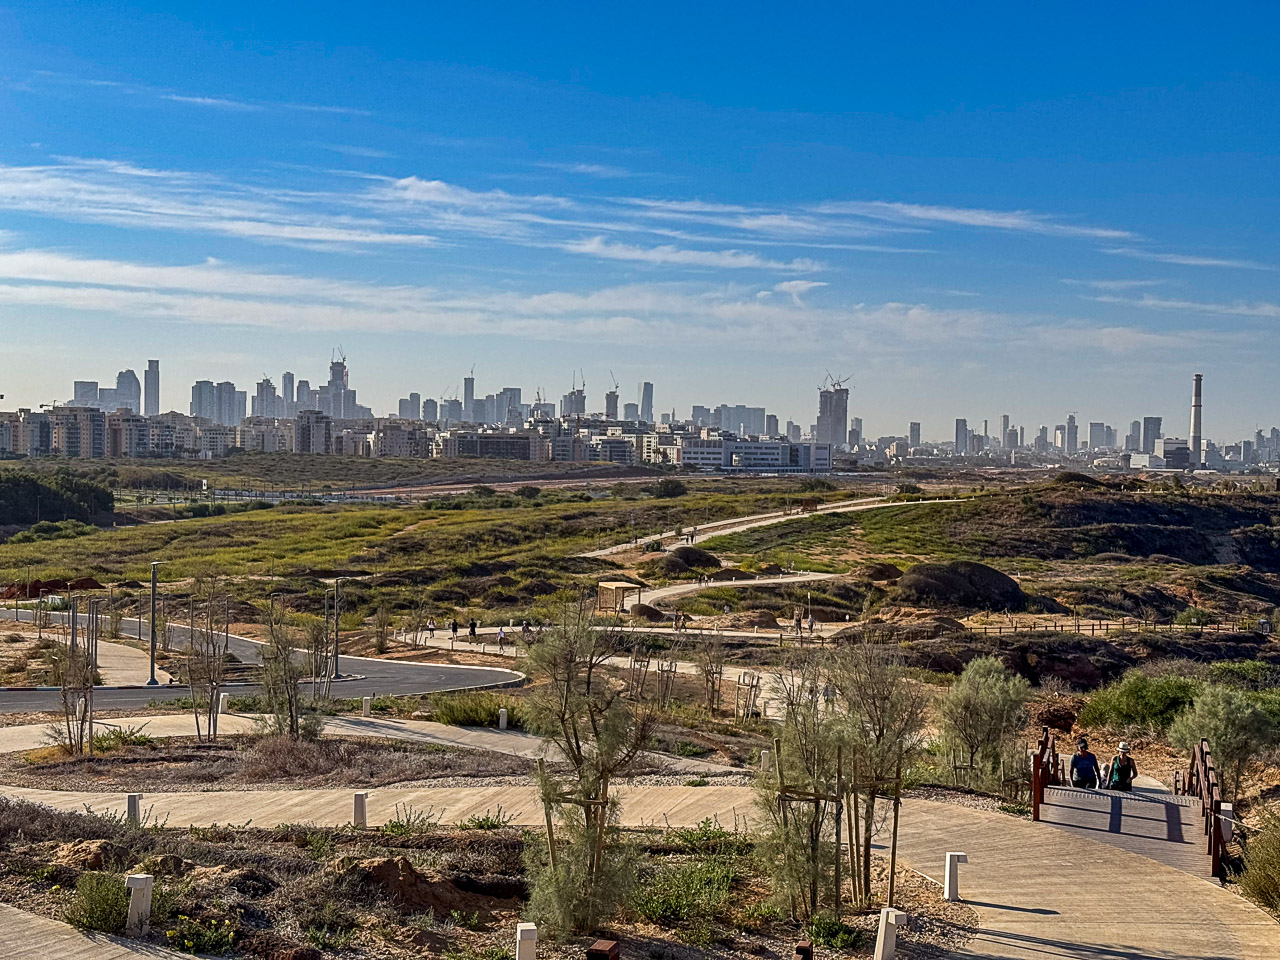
[[1022, 221], [1186, 260], [668, 254]]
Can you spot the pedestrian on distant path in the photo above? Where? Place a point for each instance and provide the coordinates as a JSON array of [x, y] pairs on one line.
[[502, 639], [1084, 767], [431, 628], [471, 628], [453, 626], [525, 632], [1123, 770]]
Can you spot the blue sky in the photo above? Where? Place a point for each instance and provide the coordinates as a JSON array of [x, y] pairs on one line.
[[972, 211]]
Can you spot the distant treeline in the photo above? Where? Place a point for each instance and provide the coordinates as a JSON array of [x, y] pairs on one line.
[[27, 498]]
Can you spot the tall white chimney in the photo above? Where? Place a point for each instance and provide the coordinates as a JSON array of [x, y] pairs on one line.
[[1197, 456]]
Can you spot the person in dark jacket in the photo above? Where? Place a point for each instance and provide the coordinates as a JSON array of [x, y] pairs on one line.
[[1084, 767], [1123, 770]]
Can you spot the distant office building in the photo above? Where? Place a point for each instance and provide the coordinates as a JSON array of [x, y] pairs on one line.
[[151, 383], [611, 405], [701, 415], [204, 400], [410, 407], [1175, 453], [1012, 439], [833, 416], [771, 425], [229, 404], [1097, 435], [646, 402], [1133, 440], [1073, 435], [1004, 428], [288, 394], [913, 434], [468, 398], [962, 437], [84, 393], [630, 412], [266, 402], [430, 411], [574, 404], [1150, 433]]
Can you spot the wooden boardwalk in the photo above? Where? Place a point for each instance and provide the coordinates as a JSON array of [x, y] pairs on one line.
[[1159, 826]]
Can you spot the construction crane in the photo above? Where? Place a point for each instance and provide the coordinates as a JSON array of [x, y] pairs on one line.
[[838, 384], [615, 381]]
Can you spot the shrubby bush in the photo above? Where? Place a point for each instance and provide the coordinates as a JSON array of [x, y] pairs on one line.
[[1236, 728], [1137, 699]]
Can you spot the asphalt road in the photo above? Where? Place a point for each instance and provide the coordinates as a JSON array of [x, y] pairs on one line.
[[375, 677]]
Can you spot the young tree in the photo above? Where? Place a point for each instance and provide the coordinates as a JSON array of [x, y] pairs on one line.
[[382, 621], [883, 713], [281, 673], [580, 710], [984, 708], [1237, 731], [207, 654]]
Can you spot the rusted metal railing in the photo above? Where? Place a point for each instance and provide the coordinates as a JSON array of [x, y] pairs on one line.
[[1046, 769]]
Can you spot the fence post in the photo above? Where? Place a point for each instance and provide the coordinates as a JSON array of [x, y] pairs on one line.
[[502, 718], [358, 818], [133, 808], [366, 708]]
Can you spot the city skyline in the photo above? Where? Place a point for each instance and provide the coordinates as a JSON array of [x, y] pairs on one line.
[[1092, 222]]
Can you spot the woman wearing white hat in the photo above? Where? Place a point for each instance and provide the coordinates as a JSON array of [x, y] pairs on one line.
[[1123, 770]]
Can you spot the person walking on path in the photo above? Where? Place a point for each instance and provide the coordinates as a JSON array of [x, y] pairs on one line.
[[471, 628], [431, 628], [1123, 770], [453, 626], [525, 633], [1084, 767], [502, 639]]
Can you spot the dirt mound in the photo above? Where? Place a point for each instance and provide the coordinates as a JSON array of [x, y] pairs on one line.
[[730, 573], [742, 620], [907, 631], [33, 588], [961, 583], [880, 572], [89, 854], [400, 882], [646, 613], [85, 583], [694, 557], [665, 567]]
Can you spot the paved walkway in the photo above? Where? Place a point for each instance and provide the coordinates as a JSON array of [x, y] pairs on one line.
[[514, 743], [25, 936], [122, 665], [1039, 892]]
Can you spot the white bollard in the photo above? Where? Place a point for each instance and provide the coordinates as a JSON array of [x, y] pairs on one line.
[[133, 808], [526, 941], [951, 888], [358, 817], [139, 886], [766, 761], [367, 708], [502, 718], [887, 936], [80, 708], [224, 699]]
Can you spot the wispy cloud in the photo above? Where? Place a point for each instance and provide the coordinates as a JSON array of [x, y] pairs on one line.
[[222, 103], [1186, 260], [1023, 221], [1114, 284], [1261, 309], [668, 254], [351, 150], [796, 289], [602, 171]]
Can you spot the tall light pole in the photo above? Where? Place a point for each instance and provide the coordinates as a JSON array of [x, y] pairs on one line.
[[153, 682]]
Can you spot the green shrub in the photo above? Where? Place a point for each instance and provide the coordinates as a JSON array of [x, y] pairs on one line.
[[828, 931], [1193, 617], [677, 896], [211, 938], [1260, 879], [1237, 730], [475, 708], [118, 737], [709, 838], [101, 903], [409, 821], [487, 821], [1245, 674], [1140, 700]]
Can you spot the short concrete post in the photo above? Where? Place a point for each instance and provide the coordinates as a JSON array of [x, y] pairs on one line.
[[502, 718], [358, 817], [224, 699], [133, 808], [80, 708], [367, 707], [887, 936], [139, 886], [526, 941], [951, 888], [766, 761]]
